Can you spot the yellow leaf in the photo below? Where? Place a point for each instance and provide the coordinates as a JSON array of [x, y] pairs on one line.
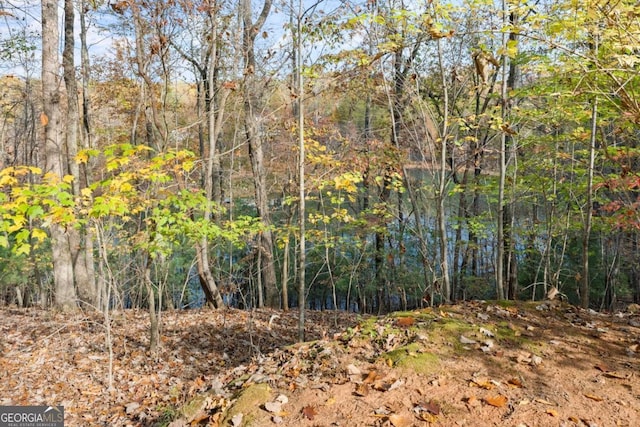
[[593, 397], [7, 180], [552, 412], [82, 157], [44, 119], [38, 234]]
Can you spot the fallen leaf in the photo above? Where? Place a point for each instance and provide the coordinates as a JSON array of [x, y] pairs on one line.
[[594, 397], [309, 412], [405, 322], [498, 401], [515, 382], [381, 386], [44, 119], [484, 383], [371, 377], [602, 367], [361, 390], [432, 408], [544, 402], [425, 416], [472, 401], [131, 407], [400, 420], [552, 412]]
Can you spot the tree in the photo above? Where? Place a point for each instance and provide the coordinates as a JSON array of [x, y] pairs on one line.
[[52, 120], [252, 124], [80, 239]]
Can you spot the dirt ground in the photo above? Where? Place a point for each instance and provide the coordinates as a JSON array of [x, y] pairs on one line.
[[472, 364]]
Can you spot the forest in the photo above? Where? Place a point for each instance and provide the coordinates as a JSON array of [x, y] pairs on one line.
[[362, 156]]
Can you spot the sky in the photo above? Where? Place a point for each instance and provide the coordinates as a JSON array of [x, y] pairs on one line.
[[20, 19]]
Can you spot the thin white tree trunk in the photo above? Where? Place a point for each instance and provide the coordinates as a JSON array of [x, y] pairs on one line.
[[51, 118]]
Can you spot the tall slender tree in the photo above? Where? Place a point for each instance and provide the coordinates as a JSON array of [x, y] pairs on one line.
[[255, 140], [52, 119]]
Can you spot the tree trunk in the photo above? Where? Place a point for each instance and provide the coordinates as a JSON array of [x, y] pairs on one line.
[[441, 194], [154, 329], [588, 210], [80, 241], [500, 234], [256, 150], [65, 293]]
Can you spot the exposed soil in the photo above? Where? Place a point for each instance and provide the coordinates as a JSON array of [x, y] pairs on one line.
[[471, 364]]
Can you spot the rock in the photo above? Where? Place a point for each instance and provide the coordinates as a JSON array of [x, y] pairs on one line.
[[273, 407], [465, 340]]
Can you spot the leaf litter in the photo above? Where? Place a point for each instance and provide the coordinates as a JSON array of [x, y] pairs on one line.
[[342, 376]]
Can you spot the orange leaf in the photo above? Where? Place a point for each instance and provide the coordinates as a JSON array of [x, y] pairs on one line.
[[593, 397], [371, 377], [44, 119], [498, 401], [400, 420], [552, 412], [515, 382], [405, 322], [482, 383], [309, 412]]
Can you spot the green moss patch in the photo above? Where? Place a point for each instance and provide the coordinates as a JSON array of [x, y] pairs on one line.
[[412, 357], [249, 403]]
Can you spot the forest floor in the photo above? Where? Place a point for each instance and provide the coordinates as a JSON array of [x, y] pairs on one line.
[[470, 364]]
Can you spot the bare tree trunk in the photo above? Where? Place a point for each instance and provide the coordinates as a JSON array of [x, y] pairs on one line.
[[442, 227], [154, 336], [256, 150], [80, 243], [588, 211], [510, 262], [65, 293], [302, 253], [500, 237]]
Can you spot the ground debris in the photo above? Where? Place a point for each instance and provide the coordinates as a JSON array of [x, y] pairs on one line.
[[489, 361]]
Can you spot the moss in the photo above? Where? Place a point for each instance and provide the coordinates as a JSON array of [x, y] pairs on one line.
[[249, 403], [413, 358], [422, 315], [504, 303], [194, 406]]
